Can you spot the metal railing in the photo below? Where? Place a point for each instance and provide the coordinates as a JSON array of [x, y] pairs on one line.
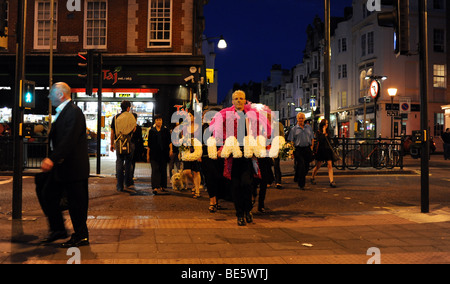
[[33, 153], [354, 152], [378, 153]]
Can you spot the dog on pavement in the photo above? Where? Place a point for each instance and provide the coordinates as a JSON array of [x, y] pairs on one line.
[[177, 180]]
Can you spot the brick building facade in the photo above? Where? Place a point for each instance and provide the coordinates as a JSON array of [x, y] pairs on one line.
[[145, 44]]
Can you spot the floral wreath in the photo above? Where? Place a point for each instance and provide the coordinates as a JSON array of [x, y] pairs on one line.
[[187, 155]]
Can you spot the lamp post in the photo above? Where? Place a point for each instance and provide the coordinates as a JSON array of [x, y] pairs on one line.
[[392, 93], [208, 50], [374, 92]]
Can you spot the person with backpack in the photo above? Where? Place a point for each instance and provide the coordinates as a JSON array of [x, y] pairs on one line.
[[123, 126]]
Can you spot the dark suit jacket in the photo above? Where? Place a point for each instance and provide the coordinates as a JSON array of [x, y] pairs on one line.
[[70, 149]]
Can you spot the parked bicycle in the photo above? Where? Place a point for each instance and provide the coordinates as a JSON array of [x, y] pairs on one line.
[[356, 152], [392, 156], [355, 157]]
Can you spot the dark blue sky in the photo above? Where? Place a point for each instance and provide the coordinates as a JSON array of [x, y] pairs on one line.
[[261, 33]]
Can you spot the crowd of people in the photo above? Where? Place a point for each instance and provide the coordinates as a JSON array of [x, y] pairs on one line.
[[63, 182], [227, 168], [242, 179]]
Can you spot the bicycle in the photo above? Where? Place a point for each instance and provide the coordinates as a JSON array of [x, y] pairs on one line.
[[377, 157], [392, 157]]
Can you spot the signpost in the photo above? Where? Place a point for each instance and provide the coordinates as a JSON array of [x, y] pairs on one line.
[[374, 92]]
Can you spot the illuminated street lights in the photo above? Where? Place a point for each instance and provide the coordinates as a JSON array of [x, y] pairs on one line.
[[208, 50], [222, 43], [392, 93]]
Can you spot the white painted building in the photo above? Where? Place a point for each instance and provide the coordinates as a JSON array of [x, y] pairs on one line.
[[360, 49]]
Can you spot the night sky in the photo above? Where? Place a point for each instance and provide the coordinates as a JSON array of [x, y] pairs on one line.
[[261, 33]]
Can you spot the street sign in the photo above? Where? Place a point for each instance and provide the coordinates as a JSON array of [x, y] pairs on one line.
[[210, 75], [392, 113], [374, 89], [405, 105]]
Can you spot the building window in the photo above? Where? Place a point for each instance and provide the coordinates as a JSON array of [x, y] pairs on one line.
[[370, 43], [438, 124], [438, 40], [344, 45], [160, 23], [316, 62], [342, 71], [42, 24], [367, 44], [364, 86], [96, 15], [344, 99], [363, 45], [439, 76]]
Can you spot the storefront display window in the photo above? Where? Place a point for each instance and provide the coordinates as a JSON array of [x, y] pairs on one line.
[[142, 101]]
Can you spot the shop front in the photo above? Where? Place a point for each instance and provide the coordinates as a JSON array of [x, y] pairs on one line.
[[154, 84], [343, 124], [365, 123], [142, 100]]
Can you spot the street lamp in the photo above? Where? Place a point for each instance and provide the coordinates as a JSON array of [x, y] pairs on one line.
[[392, 93], [208, 50], [222, 43]]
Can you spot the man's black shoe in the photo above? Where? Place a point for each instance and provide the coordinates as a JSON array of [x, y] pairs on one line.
[[53, 236], [75, 242], [241, 221], [249, 217]]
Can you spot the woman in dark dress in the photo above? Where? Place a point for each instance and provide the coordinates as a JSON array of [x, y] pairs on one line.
[[191, 169], [324, 152]]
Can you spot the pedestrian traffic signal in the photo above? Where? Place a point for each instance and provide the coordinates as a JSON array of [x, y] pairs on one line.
[[398, 19], [86, 64], [28, 96]]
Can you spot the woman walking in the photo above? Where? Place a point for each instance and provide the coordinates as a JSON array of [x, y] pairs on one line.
[[192, 168], [324, 152]]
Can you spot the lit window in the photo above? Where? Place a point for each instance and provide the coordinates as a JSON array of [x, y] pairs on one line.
[[439, 76]]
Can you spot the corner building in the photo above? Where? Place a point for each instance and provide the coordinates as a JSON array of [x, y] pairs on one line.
[[148, 47]]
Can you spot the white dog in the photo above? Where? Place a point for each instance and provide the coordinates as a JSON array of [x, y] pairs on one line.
[[177, 180]]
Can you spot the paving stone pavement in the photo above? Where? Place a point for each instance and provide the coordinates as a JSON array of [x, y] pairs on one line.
[[149, 229]]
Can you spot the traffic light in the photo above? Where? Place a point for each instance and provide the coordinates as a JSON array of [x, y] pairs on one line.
[[398, 19], [27, 94], [86, 62]]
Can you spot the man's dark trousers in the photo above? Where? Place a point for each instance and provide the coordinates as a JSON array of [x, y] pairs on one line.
[[302, 156], [241, 185]]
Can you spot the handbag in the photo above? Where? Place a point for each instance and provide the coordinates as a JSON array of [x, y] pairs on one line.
[[45, 183], [336, 156]]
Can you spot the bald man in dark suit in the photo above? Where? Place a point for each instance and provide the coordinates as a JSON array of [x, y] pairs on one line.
[[69, 162]]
